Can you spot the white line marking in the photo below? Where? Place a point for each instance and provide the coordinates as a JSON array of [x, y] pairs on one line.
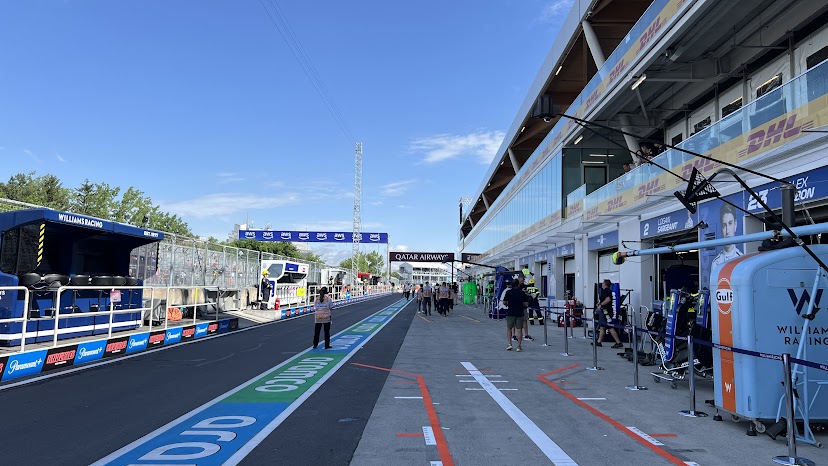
[[436, 463], [644, 435], [467, 375], [492, 381], [502, 389], [252, 443], [408, 397], [691, 463], [547, 446], [130, 356], [592, 399], [428, 435]]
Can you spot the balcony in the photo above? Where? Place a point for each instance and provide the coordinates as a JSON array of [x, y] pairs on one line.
[[747, 134]]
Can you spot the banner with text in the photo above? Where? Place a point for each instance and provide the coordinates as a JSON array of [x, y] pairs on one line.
[[420, 256], [313, 236]]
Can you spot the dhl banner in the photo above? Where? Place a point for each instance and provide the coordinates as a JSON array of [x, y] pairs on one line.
[[654, 31], [748, 145]]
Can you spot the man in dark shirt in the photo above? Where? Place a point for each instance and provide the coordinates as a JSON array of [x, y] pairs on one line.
[[604, 314], [516, 301]]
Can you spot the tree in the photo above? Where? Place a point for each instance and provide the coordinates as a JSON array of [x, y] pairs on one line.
[[372, 263], [396, 275], [95, 200], [45, 190], [132, 207], [276, 247]]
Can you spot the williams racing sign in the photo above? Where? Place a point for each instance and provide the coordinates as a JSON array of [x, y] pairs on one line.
[[313, 236]]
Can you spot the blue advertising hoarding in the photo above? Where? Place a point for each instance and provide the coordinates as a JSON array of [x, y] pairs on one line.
[[312, 236], [603, 241]]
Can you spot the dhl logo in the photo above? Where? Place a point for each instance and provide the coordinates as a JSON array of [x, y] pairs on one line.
[[649, 34], [783, 129], [591, 213], [652, 187], [615, 203], [592, 98], [575, 208], [701, 165], [617, 70]]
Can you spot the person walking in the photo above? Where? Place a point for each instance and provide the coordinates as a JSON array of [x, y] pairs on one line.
[[322, 317], [419, 296], [427, 292], [444, 294], [515, 301], [604, 312]]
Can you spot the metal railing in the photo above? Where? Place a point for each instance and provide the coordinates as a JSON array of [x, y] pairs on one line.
[[25, 318]]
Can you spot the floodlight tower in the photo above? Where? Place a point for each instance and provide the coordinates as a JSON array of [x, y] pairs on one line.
[[357, 236]]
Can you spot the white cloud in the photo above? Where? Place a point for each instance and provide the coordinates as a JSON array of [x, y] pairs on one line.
[[375, 203], [32, 155], [482, 145], [60, 159], [551, 11], [225, 204], [401, 248], [403, 206], [397, 188], [229, 177]]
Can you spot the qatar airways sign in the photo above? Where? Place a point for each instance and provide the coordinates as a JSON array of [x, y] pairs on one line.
[[420, 256]]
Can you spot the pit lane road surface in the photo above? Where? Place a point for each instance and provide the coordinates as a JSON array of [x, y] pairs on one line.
[[90, 415]]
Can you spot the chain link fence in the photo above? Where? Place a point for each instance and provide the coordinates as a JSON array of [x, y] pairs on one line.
[[181, 261]]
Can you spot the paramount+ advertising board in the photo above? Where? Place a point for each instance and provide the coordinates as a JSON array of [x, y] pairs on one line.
[[44, 360], [420, 256]]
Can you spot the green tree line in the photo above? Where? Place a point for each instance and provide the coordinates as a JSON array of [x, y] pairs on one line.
[[93, 199]]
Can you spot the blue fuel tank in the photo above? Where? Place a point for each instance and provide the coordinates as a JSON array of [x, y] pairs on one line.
[[757, 301]]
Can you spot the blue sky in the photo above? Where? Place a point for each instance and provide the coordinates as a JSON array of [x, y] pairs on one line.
[[201, 105]]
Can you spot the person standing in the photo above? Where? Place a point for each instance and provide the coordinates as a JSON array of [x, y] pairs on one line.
[[419, 296], [605, 314], [265, 288], [515, 301], [322, 317]]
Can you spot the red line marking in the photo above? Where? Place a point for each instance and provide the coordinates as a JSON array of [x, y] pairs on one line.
[[663, 453], [442, 445], [559, 370], [663, 435], [404, 434]]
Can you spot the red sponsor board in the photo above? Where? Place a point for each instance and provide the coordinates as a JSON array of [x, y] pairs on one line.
[[188, 332], [3, 361], [60, 357], [213, 327], [115, 346], [156, 338]]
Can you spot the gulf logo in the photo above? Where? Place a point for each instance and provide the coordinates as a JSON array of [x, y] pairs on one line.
[[724, 296]]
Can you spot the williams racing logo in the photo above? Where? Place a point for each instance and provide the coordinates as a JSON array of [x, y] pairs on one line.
[[802, 301]]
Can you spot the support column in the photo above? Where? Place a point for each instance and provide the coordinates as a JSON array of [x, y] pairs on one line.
[[512, 157], [485, 200], [599, 59]]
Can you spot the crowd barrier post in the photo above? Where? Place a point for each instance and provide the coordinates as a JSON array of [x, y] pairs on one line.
[[566, 337], [545, 318], [691, 358], [111, 311], [635, 385], [595, 366], [791, 459]]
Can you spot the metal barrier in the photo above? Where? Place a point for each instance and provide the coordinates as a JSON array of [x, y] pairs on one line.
[[195, 305], [111, 312], [24, 319]]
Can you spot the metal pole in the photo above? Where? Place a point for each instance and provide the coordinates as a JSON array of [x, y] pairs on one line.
[[546, 317], [566, 337], [594, 349], [635, 385], [691, 358], [791, 420]]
